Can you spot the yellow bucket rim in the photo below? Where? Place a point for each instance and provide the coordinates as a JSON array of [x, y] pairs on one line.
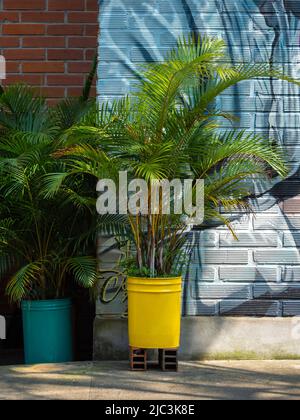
[[156, 285]]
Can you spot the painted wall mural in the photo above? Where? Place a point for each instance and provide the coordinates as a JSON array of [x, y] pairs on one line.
[[260, 274]]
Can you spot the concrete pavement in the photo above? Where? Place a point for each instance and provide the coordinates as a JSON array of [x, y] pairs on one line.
[[229, 380]]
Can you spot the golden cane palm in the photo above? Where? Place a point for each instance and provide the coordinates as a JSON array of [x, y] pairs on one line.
[[169, 128], [44, 241]]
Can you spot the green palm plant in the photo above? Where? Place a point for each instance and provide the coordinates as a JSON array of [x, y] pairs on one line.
[[45, 240], [169, 128]]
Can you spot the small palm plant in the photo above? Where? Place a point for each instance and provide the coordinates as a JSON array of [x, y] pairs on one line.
[[45, 241], [169, 128]]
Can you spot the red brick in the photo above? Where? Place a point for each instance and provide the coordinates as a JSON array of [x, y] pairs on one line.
[[82, 42], [92, 5], [74, 91], [24, 54], [9, 41], [65, 54], [12, 67], [90, 54], [9, 16], [65, 80], [23, 29], [24, 4], [66, 5], [49, 41], [39, 17], [52, 92], [77, 91], [65, 30], [44, 67], [30, 79], [82, 17], [83, 67], [91, 30], [53, 102]]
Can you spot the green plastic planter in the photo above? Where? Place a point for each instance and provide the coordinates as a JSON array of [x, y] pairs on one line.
[[47, 327]]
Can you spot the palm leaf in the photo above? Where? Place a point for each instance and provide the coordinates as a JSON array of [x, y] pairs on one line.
[[20, 285], [84, 270], [88, 84]]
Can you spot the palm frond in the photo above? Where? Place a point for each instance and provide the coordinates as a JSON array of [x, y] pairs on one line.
[[70, 112], [84, 270], [193, 60], [88, 84], [20, 285]]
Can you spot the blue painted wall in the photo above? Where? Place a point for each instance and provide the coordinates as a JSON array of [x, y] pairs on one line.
[[260, 274]]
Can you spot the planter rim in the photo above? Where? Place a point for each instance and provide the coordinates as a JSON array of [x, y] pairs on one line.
[[154, 279], [154, 285], [46, 305]]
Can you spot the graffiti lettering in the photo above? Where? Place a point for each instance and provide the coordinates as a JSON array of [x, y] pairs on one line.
[[113, 286]]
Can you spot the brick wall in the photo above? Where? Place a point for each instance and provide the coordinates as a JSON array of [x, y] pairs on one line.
[[260, 274], [49, 43]]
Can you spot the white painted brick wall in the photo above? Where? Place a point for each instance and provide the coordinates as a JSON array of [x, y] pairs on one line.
[[227, 277]]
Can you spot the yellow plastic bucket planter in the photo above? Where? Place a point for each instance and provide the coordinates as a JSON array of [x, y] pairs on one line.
[[154, 312]]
